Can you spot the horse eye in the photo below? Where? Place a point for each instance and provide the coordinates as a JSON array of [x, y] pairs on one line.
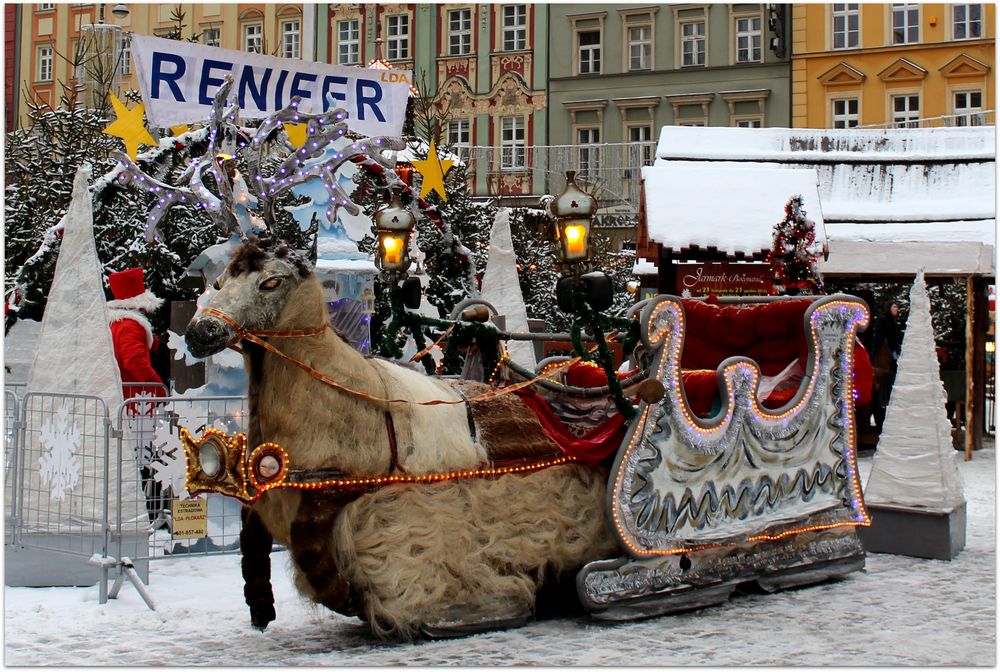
[[271, 283], [216, 286]]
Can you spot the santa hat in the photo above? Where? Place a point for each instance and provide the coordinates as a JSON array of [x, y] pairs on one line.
[[129, 289]]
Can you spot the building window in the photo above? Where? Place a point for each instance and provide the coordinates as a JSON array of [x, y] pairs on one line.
[[749, 123], [748, 39], [459, 138], [515, 31], [512, 143], [642, 136], [348, 42], [290, 39], [253, 38], [45, 6], [968, 22], [589, 42], [125, 57], [968, 108], [906, 111], [693, 43], [845, 113], [640, 47], [845, 25], [905, 23], [44, 64], [459, 32], [588, 153], [398, 44], [211, 37]]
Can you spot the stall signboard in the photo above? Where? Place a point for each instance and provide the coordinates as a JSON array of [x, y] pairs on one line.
[[723, 278]]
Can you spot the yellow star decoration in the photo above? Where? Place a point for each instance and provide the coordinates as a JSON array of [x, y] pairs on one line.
[[433, 169], [179, 130], [128, 126], [296, 134]]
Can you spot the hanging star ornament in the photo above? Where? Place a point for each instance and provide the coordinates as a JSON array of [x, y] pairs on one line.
[[128, 126], [433, 169]]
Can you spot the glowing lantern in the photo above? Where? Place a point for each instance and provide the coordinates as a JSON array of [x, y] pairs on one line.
[[574, 210], [394, 223]]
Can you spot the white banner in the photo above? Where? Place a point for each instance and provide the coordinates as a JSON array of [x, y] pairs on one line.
[[179, 80]]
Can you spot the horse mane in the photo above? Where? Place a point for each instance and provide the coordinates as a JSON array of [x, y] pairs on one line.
[[251, 255]]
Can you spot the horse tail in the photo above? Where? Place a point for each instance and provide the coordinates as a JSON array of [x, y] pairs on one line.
[[255, 545]]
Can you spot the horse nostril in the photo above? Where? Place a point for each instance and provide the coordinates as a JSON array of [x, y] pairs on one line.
[[211, 329]]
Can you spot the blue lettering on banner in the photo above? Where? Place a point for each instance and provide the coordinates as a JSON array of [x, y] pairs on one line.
[[282, 76], [169, 78], [326, 94], [259, 94], [368, 100], [207, 80], [296, 80]]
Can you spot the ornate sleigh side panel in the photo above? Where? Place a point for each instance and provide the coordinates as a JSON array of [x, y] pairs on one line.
[[751, 494]]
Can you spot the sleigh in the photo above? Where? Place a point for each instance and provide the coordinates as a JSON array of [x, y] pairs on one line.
[[431, 506], [745, 470]]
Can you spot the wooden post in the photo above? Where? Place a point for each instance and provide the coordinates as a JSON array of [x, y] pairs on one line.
[[975, 367]]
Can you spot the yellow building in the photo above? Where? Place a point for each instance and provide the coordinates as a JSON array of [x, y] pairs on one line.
[[899, 64], [53, 33]]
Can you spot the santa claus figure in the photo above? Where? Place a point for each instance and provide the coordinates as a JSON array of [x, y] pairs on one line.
[[132, 333]]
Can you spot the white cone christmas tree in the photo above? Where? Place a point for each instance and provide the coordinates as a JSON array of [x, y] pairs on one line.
[[502, 288], [75, 354], [65, 451], [915, 464]]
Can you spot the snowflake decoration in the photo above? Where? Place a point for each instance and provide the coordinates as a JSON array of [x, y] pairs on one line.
[[59, 467], [165, 454]]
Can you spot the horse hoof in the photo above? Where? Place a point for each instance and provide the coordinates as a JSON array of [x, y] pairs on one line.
[[261, 616]]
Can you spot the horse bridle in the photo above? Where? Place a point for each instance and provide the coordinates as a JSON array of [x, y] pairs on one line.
[[257, 337]]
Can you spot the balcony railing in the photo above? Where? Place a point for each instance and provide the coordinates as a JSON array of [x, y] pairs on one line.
[[981, 118], [610, 171]]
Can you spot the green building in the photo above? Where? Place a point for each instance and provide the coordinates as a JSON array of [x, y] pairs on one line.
[[626, 70]]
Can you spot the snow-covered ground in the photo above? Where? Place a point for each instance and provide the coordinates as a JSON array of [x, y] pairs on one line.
[[899, 611]]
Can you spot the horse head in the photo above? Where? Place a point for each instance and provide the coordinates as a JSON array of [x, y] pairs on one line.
[[255, 293]]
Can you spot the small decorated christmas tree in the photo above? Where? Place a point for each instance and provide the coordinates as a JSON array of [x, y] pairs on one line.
[[793, 251]]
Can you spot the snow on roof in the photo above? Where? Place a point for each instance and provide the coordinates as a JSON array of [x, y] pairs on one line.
[[352, 265], [727, 206], [877, 186], [826, 144]]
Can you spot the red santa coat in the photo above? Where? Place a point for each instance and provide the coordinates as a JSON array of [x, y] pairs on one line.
[[133, 339]]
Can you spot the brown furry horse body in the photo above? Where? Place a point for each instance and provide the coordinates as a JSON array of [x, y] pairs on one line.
[[404, 557]]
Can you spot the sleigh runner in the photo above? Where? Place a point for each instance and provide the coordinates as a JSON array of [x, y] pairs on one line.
[[668, 511]]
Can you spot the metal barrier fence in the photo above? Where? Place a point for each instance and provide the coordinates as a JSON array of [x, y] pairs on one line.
[[87, 496], [59, 501], [11, 406], [148, 436]]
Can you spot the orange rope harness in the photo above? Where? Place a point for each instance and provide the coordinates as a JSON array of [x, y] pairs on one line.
[[433, 345], [254, 337]]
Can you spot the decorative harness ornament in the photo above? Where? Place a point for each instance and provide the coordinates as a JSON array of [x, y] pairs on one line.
[[218, 462]]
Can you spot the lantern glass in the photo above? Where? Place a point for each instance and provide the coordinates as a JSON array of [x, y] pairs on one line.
[[393, 250], [574, 238]]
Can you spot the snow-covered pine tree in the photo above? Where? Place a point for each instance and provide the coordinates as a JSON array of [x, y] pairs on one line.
[[531, 232], [40, 162], [534, 247]]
